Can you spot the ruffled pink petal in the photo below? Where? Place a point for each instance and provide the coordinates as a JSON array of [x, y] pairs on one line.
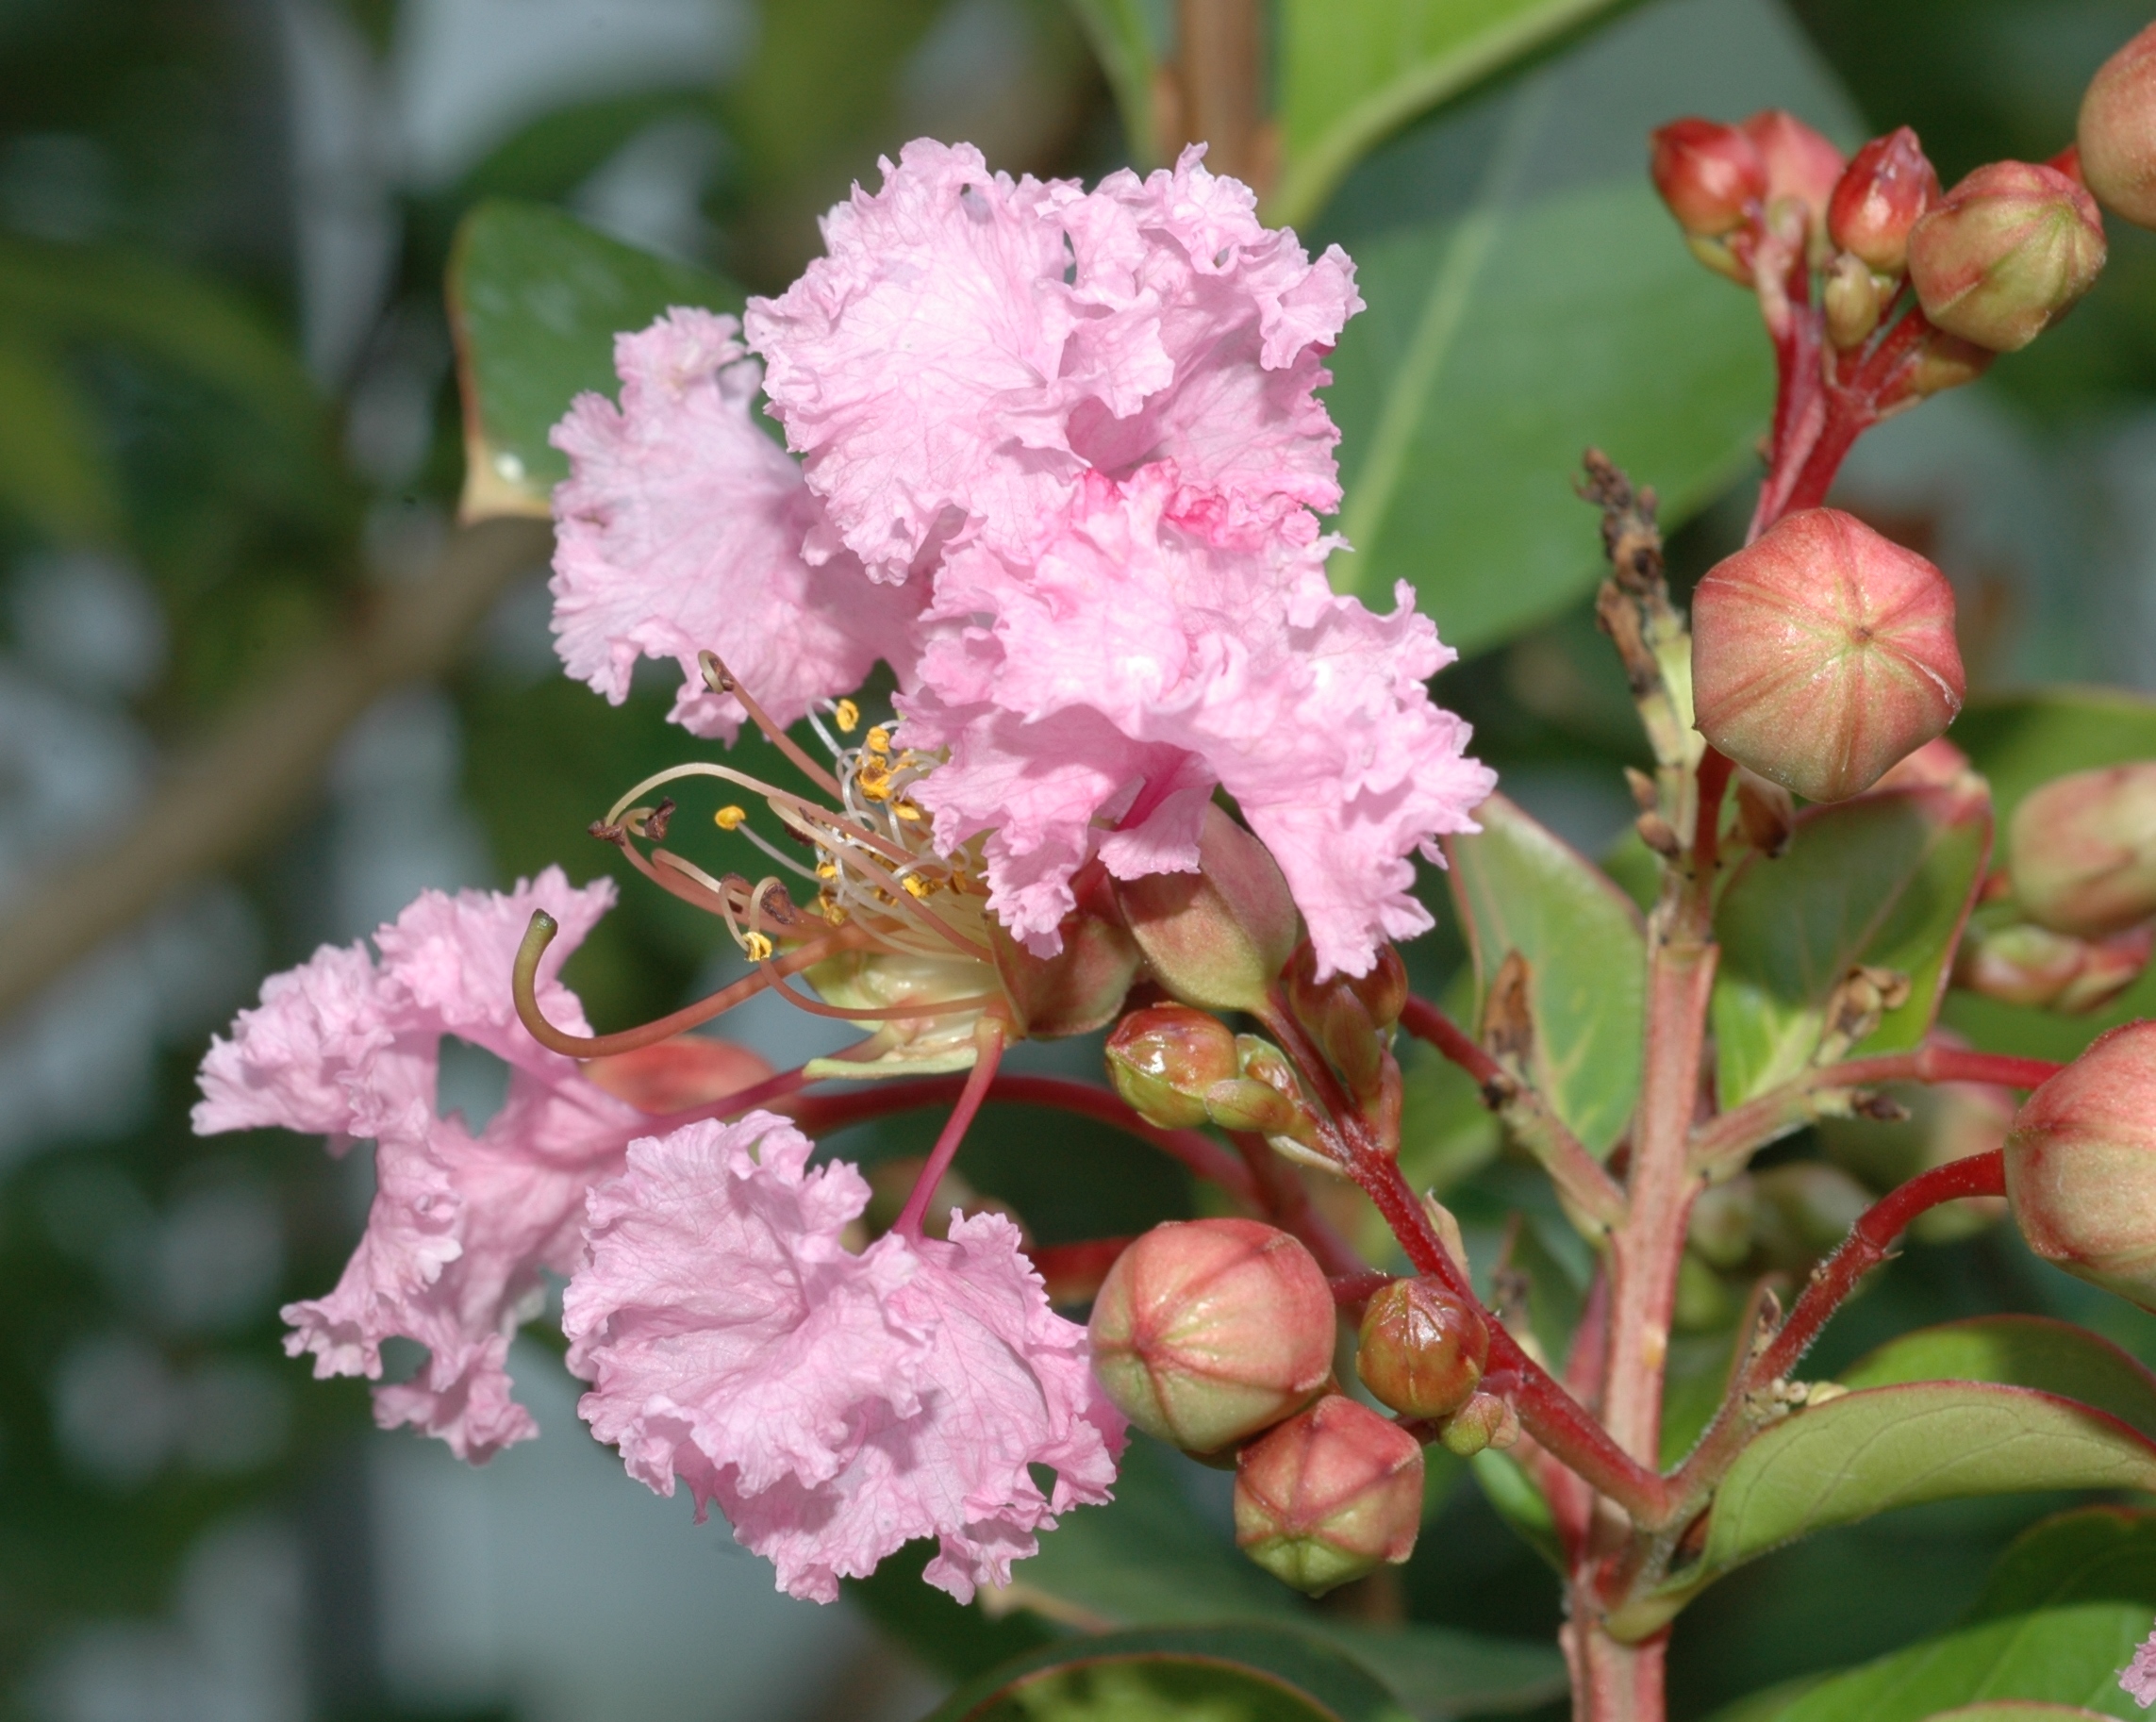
[[681, 529], [2137, 1679], [462, 1224], [834, 1406], [972, 344], [1158, 648]]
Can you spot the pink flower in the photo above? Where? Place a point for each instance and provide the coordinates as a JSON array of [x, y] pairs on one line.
[[680, 530], [2137, 1679], [833, 1406], [1163, 644], [462, 1222], [971, 345]]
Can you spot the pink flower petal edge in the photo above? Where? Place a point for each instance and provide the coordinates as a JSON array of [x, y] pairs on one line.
[[832, 1405], [2137, 1679], [462, 1221], [680, 530]]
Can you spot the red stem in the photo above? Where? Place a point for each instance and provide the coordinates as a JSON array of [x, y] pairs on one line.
[[1938, 1064], [1202, 1155], [1425, 1021], [1713, 781], [989, 1042]]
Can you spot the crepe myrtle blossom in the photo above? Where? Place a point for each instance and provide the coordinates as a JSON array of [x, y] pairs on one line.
[[1060, 451], [2137, 1679], [348, 1046], [832, 1405]]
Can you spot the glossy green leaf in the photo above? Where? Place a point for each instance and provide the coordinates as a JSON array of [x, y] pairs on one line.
[[1519, 887], [1489, 357], [1351, 75], [1126, 39], [1204, 1674], [1150, 1559], [2064, 1607], [536, 299], [2033, 1351], [1870, 1451], [1885, 879]]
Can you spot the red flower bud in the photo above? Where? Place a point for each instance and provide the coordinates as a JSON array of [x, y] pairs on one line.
[[1800, 162], [2081, 850], [1422, 1348], [1330, 1496], [1164, 1058], [2005, 253], [1822, 653], [1207, 1331], [2081, 1166], [1888, 185], [1083, 986], [1218, 937], [2117, 133], [1708, 173]]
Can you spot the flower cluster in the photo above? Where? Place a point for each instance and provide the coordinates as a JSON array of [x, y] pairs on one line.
[[1059, 452]]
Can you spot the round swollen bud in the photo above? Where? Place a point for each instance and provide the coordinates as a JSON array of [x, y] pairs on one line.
[[2081, 850], [1822, 653], [1888, 185], [1208, 1330], [1422, 1348], [2117, 132], [1708, 173], [2019, 964], [1083, 986], [1800, 164], [1164, 1058], [1328, 1496], [2005, 253], [1947, 361], [1851, 299], [1220, 937], [2081, 1166]]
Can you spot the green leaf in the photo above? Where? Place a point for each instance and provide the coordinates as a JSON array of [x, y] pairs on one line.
[[1519, 887], [1207, 1674], [1490, 356], [54, 472], [2015, 1710], [1126, 39], [1150, 1559], [1882, 1448], [2033, 1351], [1351, 75], [536, 299], [1885, 879], [2091, 1556]]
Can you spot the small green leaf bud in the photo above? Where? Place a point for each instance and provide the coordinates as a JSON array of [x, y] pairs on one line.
[[2005, 253], [1485, 1420], [1852, 301], [1330, 1495], [2081, 1166], [1218, 937], [1422, 1350], [1165, 1058], [1207, 1331], [1822, 653], [2081, 850]]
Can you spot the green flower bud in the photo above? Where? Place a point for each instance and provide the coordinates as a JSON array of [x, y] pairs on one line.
[[1207, 1331], [1485, 1420], [2005, 253], [1165, 1059], [1422, 1348], [1218, 937], [2081, 850], [1083, 986], [1330, 1495]]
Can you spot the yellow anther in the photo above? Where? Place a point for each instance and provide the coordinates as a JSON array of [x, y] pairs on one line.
[[836, 914], [827, 870], [728, 818], [876, 790], [878, 740], [906, 810], [916, 885], [758, 948], [846, 714]]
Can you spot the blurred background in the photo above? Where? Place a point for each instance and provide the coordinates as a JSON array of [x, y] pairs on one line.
[[256, 690]]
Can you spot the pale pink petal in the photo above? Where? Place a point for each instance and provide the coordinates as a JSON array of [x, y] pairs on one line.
[[834, 1406], [1156, 649], [2137, 1679], [462, 1223], [681, 529], [971, 345]]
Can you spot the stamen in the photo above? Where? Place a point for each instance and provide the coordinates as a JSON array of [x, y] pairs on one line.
[[877, 740], [540, 934], [846, 716], [729, 817], [720, 680], [757, 948], [987, 1054]]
